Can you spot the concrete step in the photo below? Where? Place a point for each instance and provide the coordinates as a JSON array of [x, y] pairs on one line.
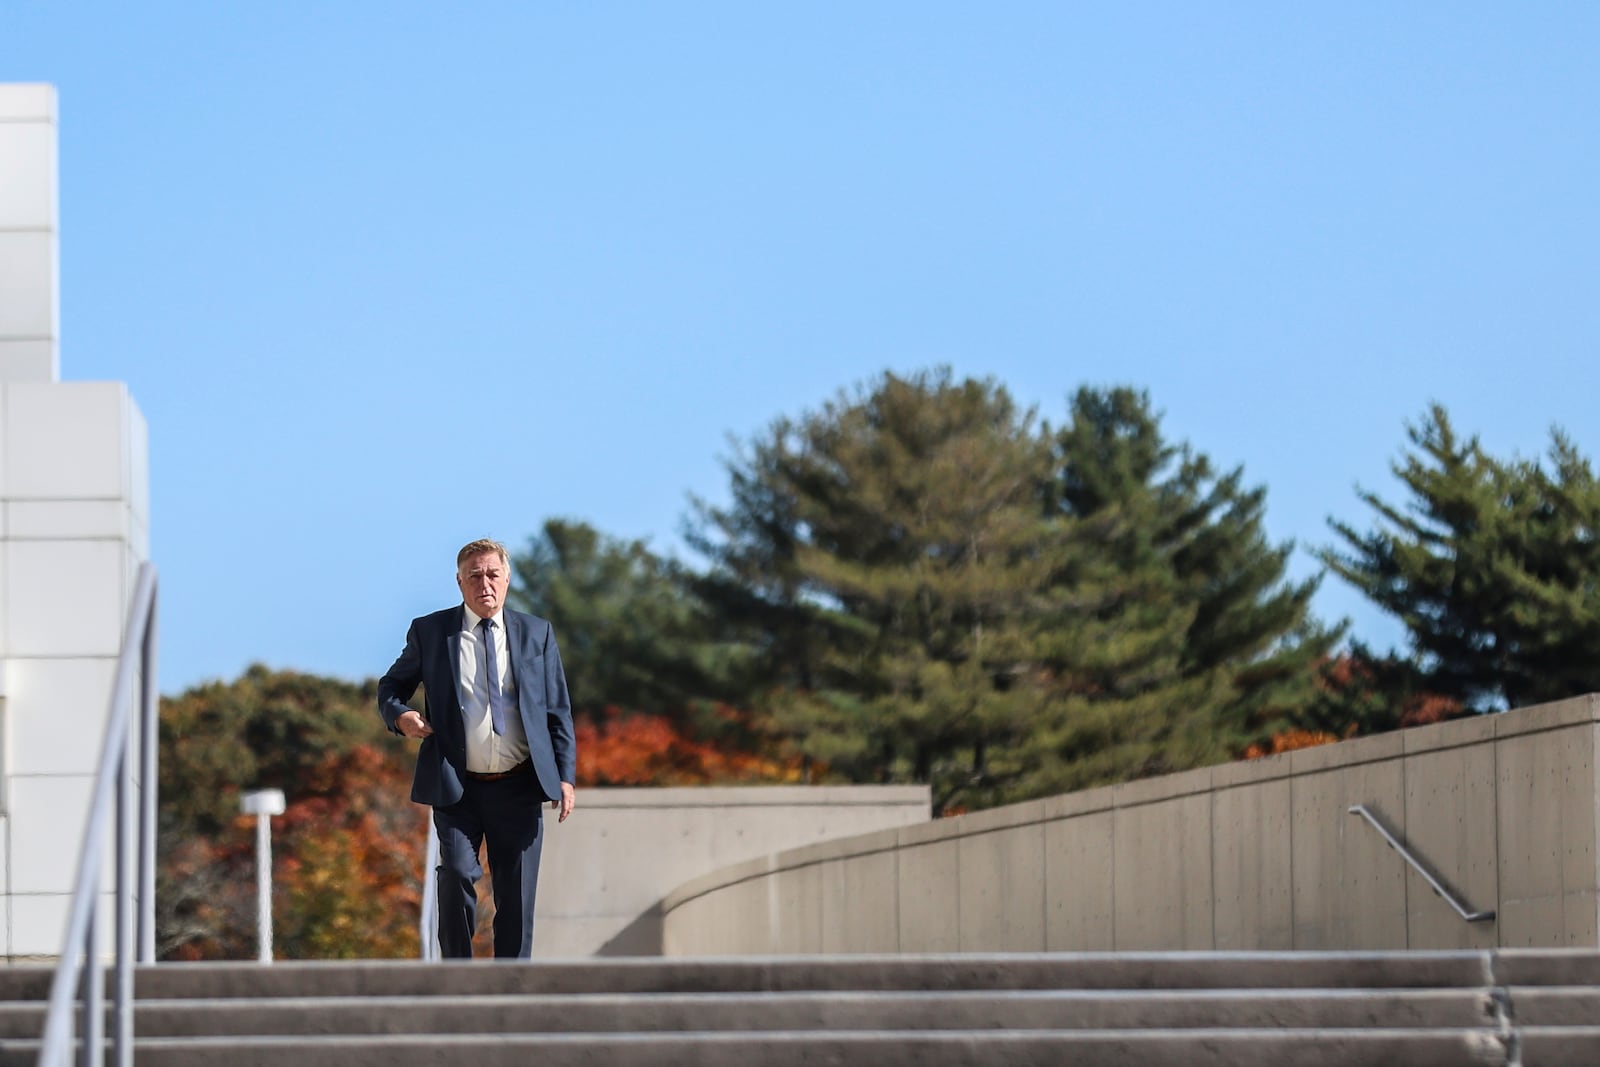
[[1572, 1046], [1554, 1006], [608, 1013], [1533, 1008], [1210, 970], [952, 1048], [1546, 966]]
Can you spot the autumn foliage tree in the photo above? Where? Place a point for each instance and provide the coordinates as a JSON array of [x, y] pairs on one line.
[[347, 852]]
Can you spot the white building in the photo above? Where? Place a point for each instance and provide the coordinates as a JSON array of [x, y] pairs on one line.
[[74, 526]]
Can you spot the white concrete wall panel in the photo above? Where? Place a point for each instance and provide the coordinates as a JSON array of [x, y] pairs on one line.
[[39, 921], [27, 102], [74, 521], [5, 887], [64, 598], [67, 441], [27, 175], [28, 278], [28, 360], [29, 272], [70, 520], [47, 823], [58, 711]]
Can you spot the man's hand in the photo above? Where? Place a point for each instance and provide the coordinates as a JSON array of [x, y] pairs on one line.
[[566, 803], [412, 724]]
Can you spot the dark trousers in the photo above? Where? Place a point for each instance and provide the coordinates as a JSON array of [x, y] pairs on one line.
[[507, 814]]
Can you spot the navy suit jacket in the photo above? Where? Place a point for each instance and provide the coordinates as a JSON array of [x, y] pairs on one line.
[[432, 657]]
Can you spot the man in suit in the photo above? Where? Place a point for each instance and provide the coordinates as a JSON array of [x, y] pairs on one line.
[[497, 742]]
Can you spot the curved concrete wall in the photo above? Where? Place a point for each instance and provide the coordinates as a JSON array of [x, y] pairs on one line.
[[1252, 855], [604, 870]]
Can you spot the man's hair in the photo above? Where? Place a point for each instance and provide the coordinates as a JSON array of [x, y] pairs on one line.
[[478, 548]]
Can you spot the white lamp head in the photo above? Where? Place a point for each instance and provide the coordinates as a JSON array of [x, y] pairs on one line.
[[262, 802]]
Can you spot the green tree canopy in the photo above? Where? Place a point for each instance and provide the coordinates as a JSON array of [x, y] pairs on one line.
[[631, 634], [883, 552], [1174, 637], [1492, 565], [940, 589]]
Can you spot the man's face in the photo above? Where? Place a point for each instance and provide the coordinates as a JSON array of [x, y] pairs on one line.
[[484, 579]]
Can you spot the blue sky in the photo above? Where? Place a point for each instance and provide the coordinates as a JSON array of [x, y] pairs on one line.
[[344, 252]]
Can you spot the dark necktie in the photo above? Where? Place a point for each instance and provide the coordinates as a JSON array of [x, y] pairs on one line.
[[497, 698]]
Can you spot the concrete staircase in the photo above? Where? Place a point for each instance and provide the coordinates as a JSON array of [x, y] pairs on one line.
[[1533, 1008]]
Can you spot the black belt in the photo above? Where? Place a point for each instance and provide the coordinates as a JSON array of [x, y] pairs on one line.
[[495, 776]]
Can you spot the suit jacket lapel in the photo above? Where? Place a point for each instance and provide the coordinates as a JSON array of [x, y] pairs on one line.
[[516, 634]]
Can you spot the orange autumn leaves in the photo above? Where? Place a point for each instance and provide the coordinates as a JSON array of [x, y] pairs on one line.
[[347, 870], [1356, 683], [620, 748]]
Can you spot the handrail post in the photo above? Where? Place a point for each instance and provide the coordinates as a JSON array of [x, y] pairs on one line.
[[80, 968], [149, 743], [122, 1000], [92, 1049]]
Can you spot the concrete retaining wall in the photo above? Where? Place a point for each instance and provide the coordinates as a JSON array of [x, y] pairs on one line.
[[605, 870], [1253, 855]]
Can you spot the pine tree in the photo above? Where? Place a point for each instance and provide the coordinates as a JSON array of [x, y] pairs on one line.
[[901, 578], [948, 592], [631, 634], [1491, 568], [1177, 639], [753, 592]]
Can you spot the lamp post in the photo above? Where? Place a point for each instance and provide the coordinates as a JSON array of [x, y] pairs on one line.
[[263, 804]]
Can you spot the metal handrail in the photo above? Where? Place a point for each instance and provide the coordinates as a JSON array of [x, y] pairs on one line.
[[1461, 907], [114, 773]]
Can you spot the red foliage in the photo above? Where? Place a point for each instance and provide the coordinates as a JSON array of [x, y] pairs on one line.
[[1353, 675], [347, 869], [351, 870], [623, 748], [1288, 741], [1426, 708]]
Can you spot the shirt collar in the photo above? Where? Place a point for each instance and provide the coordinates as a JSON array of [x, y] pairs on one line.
[[470, 619]]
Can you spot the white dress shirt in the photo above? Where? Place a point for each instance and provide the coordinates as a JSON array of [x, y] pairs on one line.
[[487, 751]]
